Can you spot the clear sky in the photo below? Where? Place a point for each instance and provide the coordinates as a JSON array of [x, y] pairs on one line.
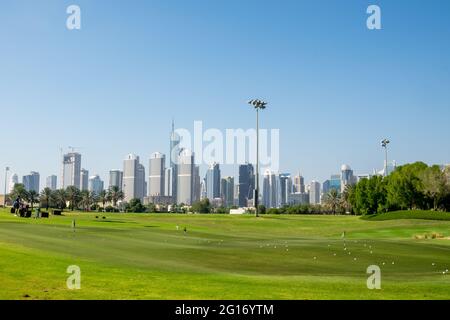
[[335, 88]]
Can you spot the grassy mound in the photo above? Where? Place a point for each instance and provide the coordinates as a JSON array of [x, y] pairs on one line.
[[409, 214]]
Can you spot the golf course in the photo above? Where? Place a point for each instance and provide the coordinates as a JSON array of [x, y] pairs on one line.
[[212, 256]]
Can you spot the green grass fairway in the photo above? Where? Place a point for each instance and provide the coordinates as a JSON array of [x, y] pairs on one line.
[[144, 256]]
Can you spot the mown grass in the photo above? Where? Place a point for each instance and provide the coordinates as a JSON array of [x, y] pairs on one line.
[[409, 214], [145, 256]]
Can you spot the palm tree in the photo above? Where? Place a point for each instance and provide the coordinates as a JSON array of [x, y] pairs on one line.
[[73, 195], [333, 200], [46, 197], [87, 199], [103, 198], [115, 194], [59, 197], [32, 197], [347, 198]]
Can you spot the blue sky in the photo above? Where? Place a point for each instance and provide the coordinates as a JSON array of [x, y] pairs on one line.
[[335, 88]]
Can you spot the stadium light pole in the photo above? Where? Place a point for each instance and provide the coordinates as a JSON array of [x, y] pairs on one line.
[[6, 181], [257, 104], [384, 144]]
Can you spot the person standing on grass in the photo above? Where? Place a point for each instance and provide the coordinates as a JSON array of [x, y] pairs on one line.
[[73, 225]]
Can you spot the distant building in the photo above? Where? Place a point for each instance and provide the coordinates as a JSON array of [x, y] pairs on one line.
[[95, 184], [51, 182], [185, 170], [31, 181], [196, 184], [246, 184], [116, 178], [173, 159], [213, 181], [13, 181], [156, 173], [71, 170], [227, 191], [347, 177], [298, 184], [133, 182], [298, 198], [271, 197], [314, 192], [285, 188], [333, 183], [84, 179]]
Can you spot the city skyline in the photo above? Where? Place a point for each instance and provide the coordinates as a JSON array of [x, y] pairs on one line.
[[334, 88]]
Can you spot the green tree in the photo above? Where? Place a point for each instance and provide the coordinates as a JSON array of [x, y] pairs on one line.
[[103, 198], [88, 198], [46, 198], [333, 200], [73, 196], [59, 198], [202, 206], [32, 198], [134, 205], [18, 191], [115, 195], [434, 182]]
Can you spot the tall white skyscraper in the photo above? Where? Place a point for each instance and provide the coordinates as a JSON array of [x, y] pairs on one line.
[[271, 197], [71, 170], [51, 182], [95, 184], [13, 181], [173, 159], [133, 178], [213, 181], [185, 181], [84, 179], [115, 178], [314, 192], [196, 184], [156, 173], [298, 184]]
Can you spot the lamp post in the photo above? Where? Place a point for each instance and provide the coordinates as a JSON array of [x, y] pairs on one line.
[[384, 144], [6, 181], [257, 104]]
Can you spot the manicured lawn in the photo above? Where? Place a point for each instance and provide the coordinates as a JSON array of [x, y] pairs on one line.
[[144, 256]]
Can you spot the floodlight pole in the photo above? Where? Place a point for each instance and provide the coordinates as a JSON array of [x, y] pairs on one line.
[[256, 200], [384, 144], [6, 181]]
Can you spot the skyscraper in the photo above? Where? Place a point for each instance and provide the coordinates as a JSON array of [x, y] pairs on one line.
[[133, 178], [173, 159], [156, 173], [13, 181], [95, 184], [285, 188], [314, 192], [71, 170], [227, 191], [84, 179], [185, 170], [299, 184], [246, 184], [333, 183], [196, 184], [51, 182], [31, 181], [213, 181], [347, 177], [271, 197], [116, 178]]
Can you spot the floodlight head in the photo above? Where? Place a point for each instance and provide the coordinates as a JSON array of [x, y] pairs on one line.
[[258, 104]]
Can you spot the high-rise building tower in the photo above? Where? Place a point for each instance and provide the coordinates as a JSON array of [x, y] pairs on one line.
[[285, 188], [271, 197], [197, 184], [71, 170], [299, 184], [13, 181], [246, 184], [95, 184], [84, 179], [156, 173], [185, 170], [227, 191], [314, 192], [51, 182], [133, 178], [347, 177], [173, 159], [213, 181], [31, 181], [116, 178]]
